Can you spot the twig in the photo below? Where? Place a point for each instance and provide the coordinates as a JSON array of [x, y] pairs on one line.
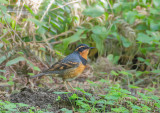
[[62, 34], [11, 27], [56, 36], [47, 9], [3, 35], [66, 4]]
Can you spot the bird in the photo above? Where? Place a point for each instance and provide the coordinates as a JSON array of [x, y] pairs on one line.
[[70, 67]]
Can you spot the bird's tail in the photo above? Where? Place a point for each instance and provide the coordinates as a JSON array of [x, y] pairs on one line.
[[53, 73], [38, 75]]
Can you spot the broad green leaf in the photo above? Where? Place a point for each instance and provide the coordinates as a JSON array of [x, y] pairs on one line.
[[125, 42], [3, 9], [37, 22], [10, 82], [3, 71], [36, 68], [156, 3], [41, 30], [131, 16], [73, 38], [141, 59], [65, 110], [4, 78], [3, 2], [144, 1], [2, 59], [99, 43], [101, 31], [110, 57], [144, 38], [154, 11], [94, 11], [14, 61], [31, 74], [155, 71]]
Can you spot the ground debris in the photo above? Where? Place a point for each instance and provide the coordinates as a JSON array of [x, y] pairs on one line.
[[44, 99]]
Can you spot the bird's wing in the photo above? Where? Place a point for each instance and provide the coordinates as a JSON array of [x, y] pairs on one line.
[[58, 67], [63, 65]]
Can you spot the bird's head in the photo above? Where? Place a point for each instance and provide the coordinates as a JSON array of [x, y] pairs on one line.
[[83, 50]]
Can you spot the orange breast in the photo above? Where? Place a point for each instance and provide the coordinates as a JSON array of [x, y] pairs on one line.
[[73, 73], [80, 69]]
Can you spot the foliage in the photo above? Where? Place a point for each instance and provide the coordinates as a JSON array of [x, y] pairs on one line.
[[7, 107], [125, 32], [116, 100]]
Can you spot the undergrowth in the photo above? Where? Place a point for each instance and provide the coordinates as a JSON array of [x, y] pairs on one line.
[[125, 33]]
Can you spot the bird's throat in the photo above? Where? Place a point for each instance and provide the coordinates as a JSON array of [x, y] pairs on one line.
[[84, 54]]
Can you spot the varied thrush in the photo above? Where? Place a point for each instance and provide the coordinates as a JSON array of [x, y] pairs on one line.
[[70, 67]]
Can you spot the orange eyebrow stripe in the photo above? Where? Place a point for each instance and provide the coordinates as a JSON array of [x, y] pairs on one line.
[[79, 47]]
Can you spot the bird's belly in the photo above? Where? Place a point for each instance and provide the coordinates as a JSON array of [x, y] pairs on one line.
[[74, 73]]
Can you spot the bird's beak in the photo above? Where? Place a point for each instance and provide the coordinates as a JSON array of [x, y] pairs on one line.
[[91, 47]]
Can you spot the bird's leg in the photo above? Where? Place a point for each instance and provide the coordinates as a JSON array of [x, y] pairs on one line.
[[64, 82], [70, 86]]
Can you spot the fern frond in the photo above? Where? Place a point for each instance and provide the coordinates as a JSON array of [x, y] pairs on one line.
[[39, 49]]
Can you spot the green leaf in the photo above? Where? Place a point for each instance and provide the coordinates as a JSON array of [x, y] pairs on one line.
[[144, 38], [3, 9], [94, 11], [4, 78], [22, 105], [2, 59], [36, 68], [125, 42], [59, 93], [110, 57], [154, 11], [73, 38], [156, 3], [141, 59], [3, 2], [114, 73], [14, 61], [10, 83], [55, 25], [155, 71], [37, 22], [31, 74], [30, 10], [5, 41], [58, 98], [99, 30], [2, 71], [134, 87], [99, 43]]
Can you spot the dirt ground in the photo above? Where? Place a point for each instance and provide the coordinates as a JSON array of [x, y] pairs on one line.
[[44, 99]]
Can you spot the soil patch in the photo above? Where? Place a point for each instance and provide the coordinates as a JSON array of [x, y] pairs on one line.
[[44, 99]]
